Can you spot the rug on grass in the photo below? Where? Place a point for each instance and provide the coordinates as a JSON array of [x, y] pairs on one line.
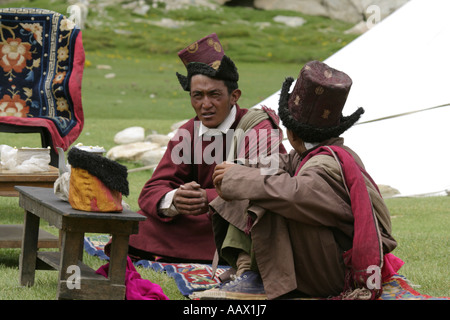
[[192, 277], [189, 277]]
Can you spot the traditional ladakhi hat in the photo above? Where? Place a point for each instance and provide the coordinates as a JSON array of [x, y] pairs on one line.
[[313, 110], [206, 56], [96, 183]]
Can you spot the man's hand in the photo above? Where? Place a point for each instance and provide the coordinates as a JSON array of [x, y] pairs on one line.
[[191, 199], [219, 173]]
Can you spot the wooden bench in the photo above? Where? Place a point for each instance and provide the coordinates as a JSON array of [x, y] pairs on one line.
[[11, 235], [73, 224]]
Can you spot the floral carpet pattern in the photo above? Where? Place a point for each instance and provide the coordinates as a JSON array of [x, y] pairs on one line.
[[41, 66]]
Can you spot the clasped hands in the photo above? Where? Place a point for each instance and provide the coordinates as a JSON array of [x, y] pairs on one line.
[[191, 199]]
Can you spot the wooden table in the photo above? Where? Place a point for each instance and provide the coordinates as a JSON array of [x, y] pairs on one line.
[[11, 235], [11, 178], [73, 224]]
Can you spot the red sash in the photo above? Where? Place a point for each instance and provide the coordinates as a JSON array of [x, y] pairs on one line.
[[366, 255]]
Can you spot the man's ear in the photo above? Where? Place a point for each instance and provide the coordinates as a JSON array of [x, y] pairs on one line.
[[235, 95], [291, 135], [297, 143]]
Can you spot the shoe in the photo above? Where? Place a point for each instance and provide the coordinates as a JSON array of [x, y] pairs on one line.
[[248, 286]]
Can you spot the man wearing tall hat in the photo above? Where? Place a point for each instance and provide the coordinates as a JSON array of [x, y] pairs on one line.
[[316, 228], [175, 200]]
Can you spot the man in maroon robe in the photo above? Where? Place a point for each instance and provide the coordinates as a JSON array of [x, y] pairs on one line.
[[175, 200]]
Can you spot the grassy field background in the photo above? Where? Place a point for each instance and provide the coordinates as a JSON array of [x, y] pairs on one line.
[[144, 92]]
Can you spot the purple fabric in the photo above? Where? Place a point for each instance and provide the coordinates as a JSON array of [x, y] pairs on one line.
[[136, 287]]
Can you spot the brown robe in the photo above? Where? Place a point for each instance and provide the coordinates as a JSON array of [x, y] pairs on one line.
[[301, 224]]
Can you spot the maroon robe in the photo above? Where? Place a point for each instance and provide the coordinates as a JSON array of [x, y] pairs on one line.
[[183, 237]]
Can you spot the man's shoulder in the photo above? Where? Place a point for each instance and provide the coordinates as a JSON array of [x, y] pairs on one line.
[[188, 124]]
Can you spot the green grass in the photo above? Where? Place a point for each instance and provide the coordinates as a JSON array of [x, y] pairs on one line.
[[420, 226], [145, 92]]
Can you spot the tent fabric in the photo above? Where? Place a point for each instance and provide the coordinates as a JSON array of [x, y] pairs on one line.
[[399, 66]]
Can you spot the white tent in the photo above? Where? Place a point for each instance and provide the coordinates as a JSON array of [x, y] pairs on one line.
[[400, 65]]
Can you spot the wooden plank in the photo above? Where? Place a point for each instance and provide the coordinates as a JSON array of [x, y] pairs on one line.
[[48, 258], [27, 262], [92, 286], [11, 178], [53, 259], [92, 290], [99, 226], [71, 252], [6, 192], [44, 197], [42, 203], [14, 175], [44, 212], [11, 237], [118, 264]]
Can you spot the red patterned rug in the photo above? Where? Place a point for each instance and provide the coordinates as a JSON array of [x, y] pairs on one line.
[[192, 277]]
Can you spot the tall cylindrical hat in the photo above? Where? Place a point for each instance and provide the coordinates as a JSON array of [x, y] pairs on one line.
[[206, 56], [313, 110]]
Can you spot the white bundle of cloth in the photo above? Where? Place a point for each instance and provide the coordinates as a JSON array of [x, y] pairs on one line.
[[25, 160]]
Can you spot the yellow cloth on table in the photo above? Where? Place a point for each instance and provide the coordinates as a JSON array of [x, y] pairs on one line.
[[88, 193], [96, 183]]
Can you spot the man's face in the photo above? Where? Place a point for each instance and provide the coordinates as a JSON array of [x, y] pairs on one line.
[[211, 100]]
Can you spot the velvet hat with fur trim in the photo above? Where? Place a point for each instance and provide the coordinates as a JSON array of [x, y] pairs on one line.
[[207, 57], [313, 110], [112, 174]]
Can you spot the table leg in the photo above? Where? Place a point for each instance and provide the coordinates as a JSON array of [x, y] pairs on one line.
[[118, 259], [27, 263], [71, 253]]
